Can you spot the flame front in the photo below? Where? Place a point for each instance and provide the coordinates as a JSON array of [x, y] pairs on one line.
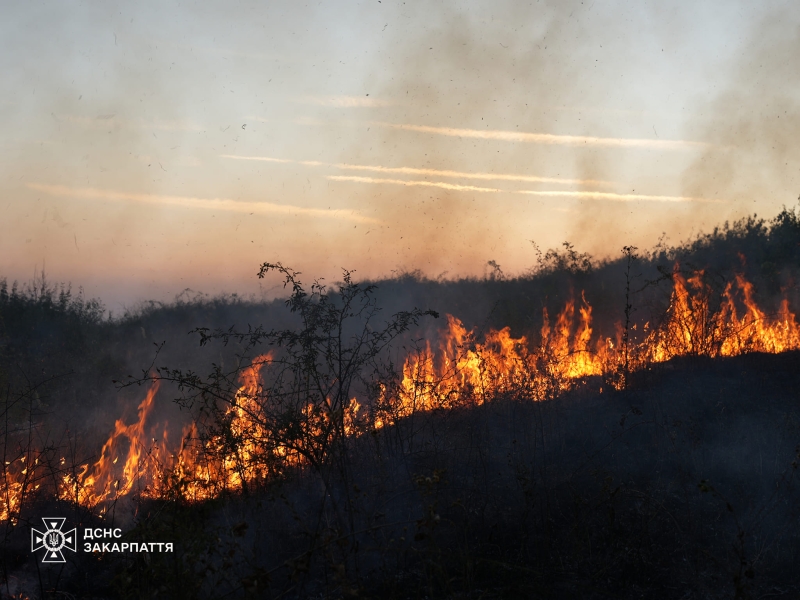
[[458, 370], [463, 371], [692, 328], [108, 478]]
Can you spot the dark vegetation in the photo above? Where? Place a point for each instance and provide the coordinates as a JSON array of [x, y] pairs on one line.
[[683, 485]]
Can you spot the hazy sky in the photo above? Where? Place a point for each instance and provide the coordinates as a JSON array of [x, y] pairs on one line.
[[152, 147]]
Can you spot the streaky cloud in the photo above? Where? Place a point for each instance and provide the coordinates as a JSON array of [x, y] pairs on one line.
[[549, 138], [589, 195], [423, 171], [223, 204], [577, 194], [412, 183]]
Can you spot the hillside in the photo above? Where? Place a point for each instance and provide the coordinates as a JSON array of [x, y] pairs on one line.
[[593, 429]]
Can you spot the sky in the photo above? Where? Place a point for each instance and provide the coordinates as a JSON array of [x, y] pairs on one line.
[[153, 147]]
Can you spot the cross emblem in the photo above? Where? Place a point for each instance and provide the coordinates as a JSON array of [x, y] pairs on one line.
[[53, 540]]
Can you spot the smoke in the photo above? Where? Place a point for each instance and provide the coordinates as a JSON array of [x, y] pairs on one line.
[[478, 89], [438, 135], [524, 90], [89, 110], [532, 90], [754, 159]]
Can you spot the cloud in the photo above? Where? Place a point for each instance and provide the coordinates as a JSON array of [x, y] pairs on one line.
[[549, 138], [223, 204], [589, 195], [411, 183], [615, 197], [432, 172]]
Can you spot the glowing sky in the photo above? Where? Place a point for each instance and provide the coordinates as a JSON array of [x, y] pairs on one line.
[[153, 147]]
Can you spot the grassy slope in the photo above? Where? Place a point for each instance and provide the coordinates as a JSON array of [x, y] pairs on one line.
[[560, 499]]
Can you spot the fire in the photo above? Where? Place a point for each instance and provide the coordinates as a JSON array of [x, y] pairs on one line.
[[105, 480], [462, 370], [246, 451], [458, 370], [691, 326], [568, 345], [18, 481]]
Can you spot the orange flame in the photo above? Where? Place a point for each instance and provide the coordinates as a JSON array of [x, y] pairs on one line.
[[18, 481], [459, 370], [105, 479], [692, 328]]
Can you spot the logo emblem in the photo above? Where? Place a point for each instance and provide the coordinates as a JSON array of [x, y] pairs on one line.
[[53, 540]]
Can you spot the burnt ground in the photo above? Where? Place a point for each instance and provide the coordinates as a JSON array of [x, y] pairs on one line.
[[683, 486]]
